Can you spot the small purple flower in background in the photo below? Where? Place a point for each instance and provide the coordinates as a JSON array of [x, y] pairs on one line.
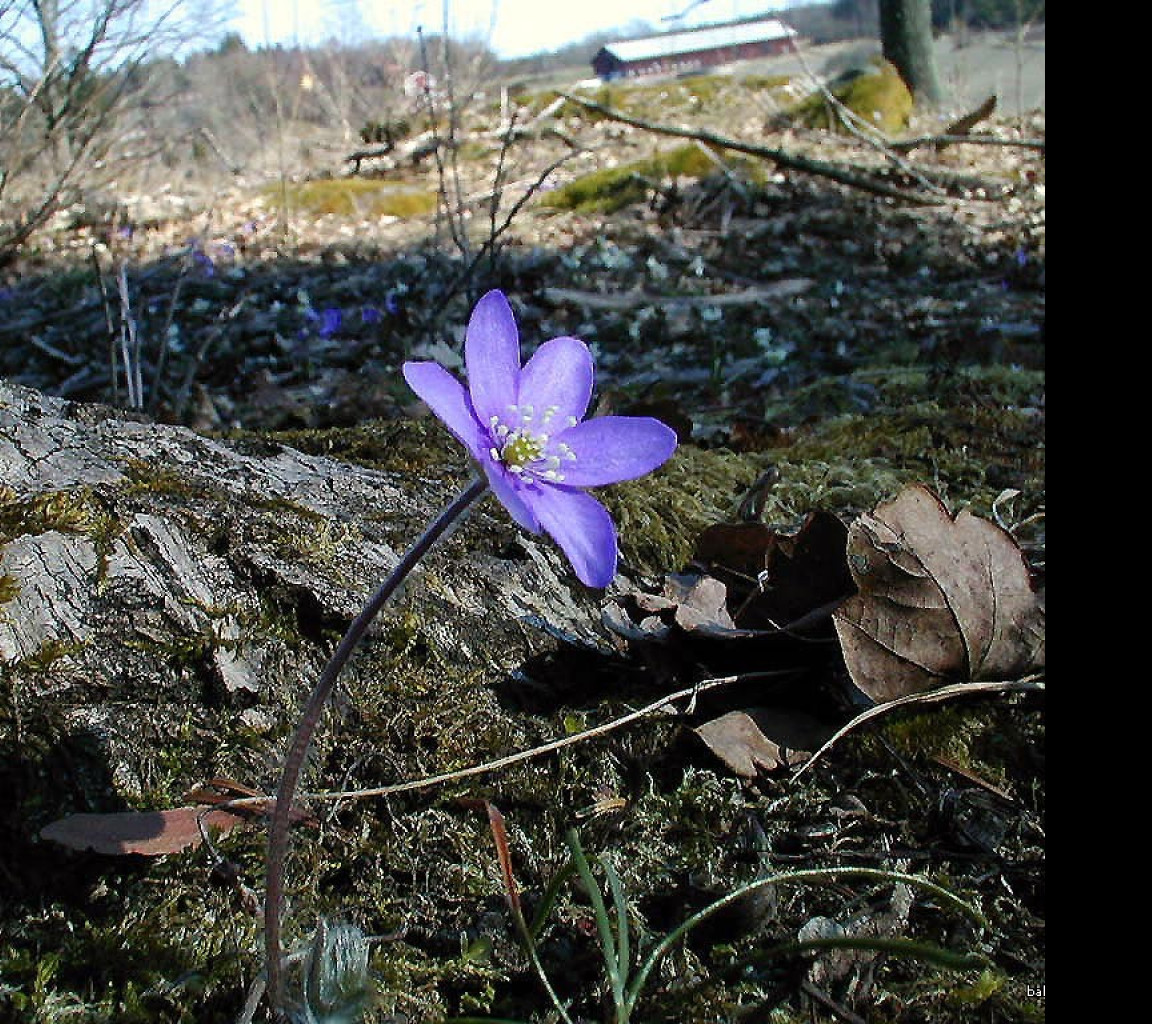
[[201, 258], [330, 321], [370, 315], [325, 324], [525, 427], [391, 304]]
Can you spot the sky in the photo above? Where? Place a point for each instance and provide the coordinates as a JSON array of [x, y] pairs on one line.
[[512, 28]]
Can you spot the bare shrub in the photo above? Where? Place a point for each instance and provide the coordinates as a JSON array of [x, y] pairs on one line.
[[76, 97]]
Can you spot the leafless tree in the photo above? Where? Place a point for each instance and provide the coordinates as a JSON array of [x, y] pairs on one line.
[[70, 71]]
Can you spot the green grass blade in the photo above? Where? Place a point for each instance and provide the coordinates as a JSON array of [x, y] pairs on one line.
[[603, 925]]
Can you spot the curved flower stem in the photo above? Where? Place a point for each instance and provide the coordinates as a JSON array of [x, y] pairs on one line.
[[294, 761]]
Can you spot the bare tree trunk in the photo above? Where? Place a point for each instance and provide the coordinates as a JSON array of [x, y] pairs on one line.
[[906, 38]]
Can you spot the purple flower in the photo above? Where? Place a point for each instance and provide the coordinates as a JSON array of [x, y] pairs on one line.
[[524, 426], [371, 315], [201, 258], [330, 321]]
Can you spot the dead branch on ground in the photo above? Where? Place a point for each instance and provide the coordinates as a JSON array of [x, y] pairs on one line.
[[833, 172], [940, 141]]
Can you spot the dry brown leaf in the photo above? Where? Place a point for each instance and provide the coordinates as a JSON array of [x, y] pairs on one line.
[[778, 579], [150, 833], [766, 738], [940, 600], [701, 603]]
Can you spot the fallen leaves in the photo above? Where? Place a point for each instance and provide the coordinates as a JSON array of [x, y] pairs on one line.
[[763, 738], [907, 599], [154, 833], [941, 599], [785, 580], [149, 833]]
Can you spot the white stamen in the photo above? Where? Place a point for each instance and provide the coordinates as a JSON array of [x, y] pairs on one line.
[[527, 452]]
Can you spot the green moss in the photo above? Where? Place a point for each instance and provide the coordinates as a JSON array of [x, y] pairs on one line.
[[354, 198], [473, 150], [881, 99], [946, 732], [75, 511], [970, 434], [613, 188], [9, 587], [147, 966], [765, 83], [294, 529], [398, 446], [660, 516], [642, 99]]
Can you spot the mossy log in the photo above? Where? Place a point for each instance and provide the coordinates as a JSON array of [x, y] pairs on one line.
[[142, 560]]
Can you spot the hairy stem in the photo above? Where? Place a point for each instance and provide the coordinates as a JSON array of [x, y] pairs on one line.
[[298, 751]]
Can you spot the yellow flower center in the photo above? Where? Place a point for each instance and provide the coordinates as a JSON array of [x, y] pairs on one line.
[[524, 451], [521, 449]]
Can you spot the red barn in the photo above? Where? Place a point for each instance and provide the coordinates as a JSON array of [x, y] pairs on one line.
[[693, 49]]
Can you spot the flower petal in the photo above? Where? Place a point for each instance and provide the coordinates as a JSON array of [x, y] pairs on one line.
[[510, 496], [492, 356], [558, 377], [446, 397], [583, 529], [609, 449]]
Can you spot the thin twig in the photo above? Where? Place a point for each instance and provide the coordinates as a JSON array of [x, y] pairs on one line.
[[689, 692], [489, 244], [452, 212], [130, 343], [183, 393], [966, 140], [1028, 683], [860, 129], [109, 320]]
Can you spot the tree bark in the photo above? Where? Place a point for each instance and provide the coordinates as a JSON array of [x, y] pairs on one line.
[[906, 39]]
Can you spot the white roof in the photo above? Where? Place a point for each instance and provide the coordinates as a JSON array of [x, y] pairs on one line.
[[700, 39]]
